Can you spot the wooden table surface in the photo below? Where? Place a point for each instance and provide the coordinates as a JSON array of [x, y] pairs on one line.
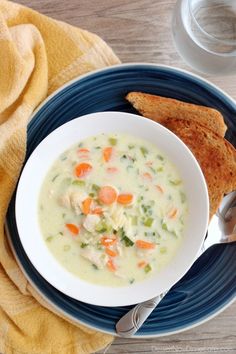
[[139, 31]]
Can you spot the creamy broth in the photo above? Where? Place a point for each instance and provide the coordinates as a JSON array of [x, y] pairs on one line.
[[113, 209]]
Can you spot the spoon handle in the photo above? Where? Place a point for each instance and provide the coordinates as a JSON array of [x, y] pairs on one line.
[[129, 324]]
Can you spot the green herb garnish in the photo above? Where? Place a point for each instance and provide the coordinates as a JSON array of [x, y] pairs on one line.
[[55, 177], [159, 157], [144, 151], [94, 266], [83, 245], [127, 241]]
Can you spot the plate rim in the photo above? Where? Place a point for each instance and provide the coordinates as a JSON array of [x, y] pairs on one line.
[[131, 65], [127, 65], [75, 321]]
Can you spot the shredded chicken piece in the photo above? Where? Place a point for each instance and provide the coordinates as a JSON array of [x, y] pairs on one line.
[[76, 199], [116, 217], [73, 200], [90, 222], [93, 256], [64, 201]]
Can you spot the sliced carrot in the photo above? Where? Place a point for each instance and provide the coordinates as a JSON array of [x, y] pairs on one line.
[[147, 176], [110, 252], [82, 169], [145, 245], [73, 229], [86, 204], [125, 199], [108, 241], [107, 152], [97, 211], [112, 169], [83, 151], [142, 264], [172, 214], [159, 188], [107, 195], [111, 266]]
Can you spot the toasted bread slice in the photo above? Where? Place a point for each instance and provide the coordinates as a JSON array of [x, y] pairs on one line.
[[216, 156], [160, 108]]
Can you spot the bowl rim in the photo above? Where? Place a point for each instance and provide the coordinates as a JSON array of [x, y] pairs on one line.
[[113, 302]]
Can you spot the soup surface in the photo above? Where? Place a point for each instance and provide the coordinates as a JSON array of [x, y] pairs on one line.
[[112, 209]]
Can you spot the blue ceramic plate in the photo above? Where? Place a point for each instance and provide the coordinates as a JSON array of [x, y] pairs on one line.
[[210, 285]]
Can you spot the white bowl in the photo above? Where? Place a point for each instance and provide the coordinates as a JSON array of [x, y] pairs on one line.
[[34, 173]]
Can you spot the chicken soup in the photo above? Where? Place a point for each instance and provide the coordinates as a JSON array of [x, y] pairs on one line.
[[113, 209]]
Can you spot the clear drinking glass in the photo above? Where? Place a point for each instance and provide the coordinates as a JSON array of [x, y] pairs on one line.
[[204, 32]]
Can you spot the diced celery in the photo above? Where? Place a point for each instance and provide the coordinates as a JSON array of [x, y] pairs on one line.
[[49, 239], [148, 222], [113, 141], [78, 182], [134, 220], [175, 182], [101, 227], [163, 250], [164, 226], [66, 248], [147, 268]]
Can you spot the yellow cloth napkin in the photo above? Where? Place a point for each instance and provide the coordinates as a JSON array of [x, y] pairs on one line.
[[37, 55]]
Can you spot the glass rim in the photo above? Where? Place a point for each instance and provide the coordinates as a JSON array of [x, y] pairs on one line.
[[210, 36]]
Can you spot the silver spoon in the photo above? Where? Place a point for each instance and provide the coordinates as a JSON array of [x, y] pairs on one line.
[[222, 229]]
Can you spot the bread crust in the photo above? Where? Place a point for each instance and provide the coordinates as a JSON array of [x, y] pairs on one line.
[[160, 108]]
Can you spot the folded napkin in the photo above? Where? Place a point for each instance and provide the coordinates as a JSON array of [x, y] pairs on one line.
[[37, 55]]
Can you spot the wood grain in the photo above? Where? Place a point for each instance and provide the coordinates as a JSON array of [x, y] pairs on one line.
[[140, 31]]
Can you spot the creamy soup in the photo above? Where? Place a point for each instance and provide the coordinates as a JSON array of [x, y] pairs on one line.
[[112, 209]]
